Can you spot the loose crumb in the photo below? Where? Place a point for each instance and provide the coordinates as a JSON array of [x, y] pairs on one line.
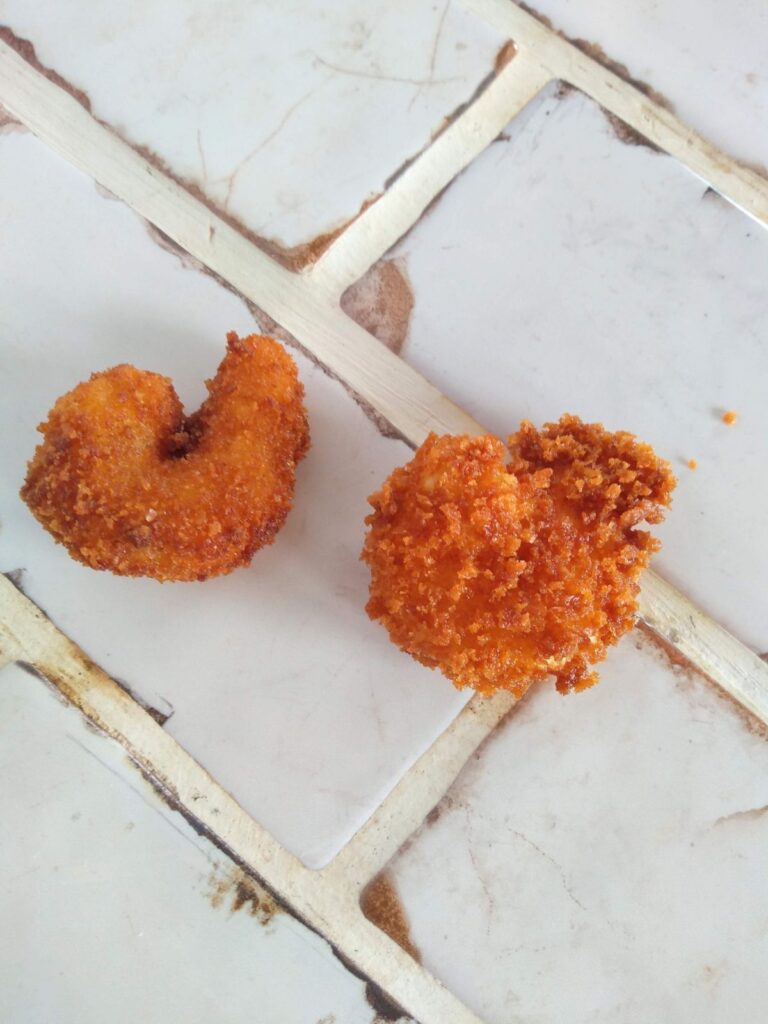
[[692, 464], [730, 417]]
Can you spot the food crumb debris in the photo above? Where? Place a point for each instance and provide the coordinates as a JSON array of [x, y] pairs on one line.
[[730, 417], [692, 464]]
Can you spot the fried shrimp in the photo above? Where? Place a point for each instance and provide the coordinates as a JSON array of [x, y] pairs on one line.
[[500, 575], [126, 482]]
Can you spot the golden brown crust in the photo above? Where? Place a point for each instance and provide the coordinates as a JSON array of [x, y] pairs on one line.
[[128, 483], [502, 574]]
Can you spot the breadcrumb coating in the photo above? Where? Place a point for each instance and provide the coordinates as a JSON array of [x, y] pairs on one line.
[[128, 483], [500, 574]]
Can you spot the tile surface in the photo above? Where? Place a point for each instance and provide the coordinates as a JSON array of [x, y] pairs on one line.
[[287, 115], [567, 271], [119, 911], [602, 858], [709, 61], [278, 683]]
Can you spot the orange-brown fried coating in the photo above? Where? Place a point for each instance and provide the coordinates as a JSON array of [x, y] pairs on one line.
[[500, 575], [126, 482]]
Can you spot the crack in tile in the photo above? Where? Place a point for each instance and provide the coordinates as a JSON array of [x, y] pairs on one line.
[[380, 76], [230, 179], [433, 54], [553, 862]]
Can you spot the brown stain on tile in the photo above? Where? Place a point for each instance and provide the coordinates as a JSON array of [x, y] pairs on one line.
[[504, 55], [380, 903], [25, 49], [238, 889], [295, 258], [751, 814], [8, 122], [382, 302], [689, 674], [385, 1011]]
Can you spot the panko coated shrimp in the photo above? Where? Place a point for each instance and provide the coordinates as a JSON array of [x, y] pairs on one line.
[[501, 574], [127, 482]]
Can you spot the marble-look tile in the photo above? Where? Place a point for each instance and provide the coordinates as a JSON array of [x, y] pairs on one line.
[[568, 271], [602, 858], [279, 684], [119, 911], [288, 115], [708, 61]]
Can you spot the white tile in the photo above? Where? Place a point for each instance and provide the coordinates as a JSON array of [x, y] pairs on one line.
[[289, 115], [567, 271], [282, 688], [602, 858], [118, 911], [707, 60]]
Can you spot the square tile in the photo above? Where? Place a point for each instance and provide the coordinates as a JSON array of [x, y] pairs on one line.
[[287, 116], [277, 682], [119, 911], [568, 271]]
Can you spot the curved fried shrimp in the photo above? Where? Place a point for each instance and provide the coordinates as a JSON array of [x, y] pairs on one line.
[[127, 483], [501, 574]]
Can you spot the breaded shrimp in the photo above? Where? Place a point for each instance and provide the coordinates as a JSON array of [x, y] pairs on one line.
[[500, 575], [127, 483]]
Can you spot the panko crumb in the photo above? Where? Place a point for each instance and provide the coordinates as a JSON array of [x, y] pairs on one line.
[[501, 573], [730, 417], [693, 464]]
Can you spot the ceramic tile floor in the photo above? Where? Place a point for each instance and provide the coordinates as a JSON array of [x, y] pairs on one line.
[[602, 859], [708, 63], [599, 858], [274, 110], [327, 714], [605, 280], [119, 910]]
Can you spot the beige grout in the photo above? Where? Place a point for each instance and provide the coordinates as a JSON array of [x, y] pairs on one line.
[[403, 811], [327, 905], [562, 60], [306, 305]]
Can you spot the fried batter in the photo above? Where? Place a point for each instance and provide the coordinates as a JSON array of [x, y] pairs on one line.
[[500, 575], [127, 483]]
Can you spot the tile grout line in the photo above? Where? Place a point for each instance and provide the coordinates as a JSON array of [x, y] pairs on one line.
[[420, 789], [739, 184], [325, 904], [379, 227]]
